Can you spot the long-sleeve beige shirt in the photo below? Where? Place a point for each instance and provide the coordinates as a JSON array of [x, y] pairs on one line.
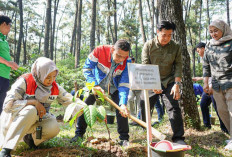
[[15, 99]]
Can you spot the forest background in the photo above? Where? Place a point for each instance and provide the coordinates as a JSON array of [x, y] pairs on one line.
[[68, 30]]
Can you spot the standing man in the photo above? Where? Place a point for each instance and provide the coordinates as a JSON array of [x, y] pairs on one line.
[[206, 99], [134, 105], [165, 53], [107, 67], [5, 60]]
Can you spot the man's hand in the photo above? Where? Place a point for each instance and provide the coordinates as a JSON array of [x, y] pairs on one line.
[[197, 78], [206, 88], [125, 112], [158, 91], [98, 88], [210, 89], [13, 65], [176, 92]]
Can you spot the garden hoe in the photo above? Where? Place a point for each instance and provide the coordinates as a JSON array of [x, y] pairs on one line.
[[155, 132]]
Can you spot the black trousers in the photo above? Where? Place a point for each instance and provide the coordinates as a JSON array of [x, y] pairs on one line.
[[4, 86], [173, 110], [123, 127]]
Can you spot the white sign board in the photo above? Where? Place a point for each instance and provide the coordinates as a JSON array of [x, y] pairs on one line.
[[144, 76]]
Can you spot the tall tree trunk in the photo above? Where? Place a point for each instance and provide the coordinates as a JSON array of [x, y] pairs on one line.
[[57, 29], [228, 11], [47, 28], [15, 33], [207, 9], [172, 10], [199, 35], [151, 13], [56, 4], [98, 32], [78, 43], [25, 45], [115, 22], [110, 31], [20, 32], [141, 21], [93, 26], [74, 30], [156, 9]]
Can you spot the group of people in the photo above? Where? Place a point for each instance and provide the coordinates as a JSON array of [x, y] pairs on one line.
[[29, 99]]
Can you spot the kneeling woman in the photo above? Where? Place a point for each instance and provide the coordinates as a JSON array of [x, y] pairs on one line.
[[27, 102]]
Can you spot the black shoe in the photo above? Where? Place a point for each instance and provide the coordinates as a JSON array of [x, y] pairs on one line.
[[76, 138], [29, 141], [207, 126], [134, 124], [179, 141], [5, 152], [155, 123]]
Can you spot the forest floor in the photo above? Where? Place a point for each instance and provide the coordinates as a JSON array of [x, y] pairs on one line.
[[96, 143]]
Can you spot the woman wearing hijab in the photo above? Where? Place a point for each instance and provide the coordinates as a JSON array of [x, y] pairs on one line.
[[27, 102], [218, 64]]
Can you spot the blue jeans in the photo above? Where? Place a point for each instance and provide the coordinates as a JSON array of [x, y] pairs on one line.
[[205, 103], [4, 85], [159, 109], [123, 127], [173, 110]]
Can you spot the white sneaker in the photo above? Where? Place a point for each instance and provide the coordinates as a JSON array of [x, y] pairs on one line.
[[227, 141], [229, 146]]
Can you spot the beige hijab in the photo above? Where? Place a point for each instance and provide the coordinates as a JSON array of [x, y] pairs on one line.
[[225, 28], [40, 70]]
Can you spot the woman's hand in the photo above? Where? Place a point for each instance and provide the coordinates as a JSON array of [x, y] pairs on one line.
[[40, 108]]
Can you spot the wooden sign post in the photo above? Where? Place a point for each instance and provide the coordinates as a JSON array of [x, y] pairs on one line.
[[145, 77]]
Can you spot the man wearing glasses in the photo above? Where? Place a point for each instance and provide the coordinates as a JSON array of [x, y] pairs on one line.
[[5, 60], [165, 53], [107, 67]]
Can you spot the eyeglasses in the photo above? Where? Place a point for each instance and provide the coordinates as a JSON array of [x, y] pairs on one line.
[[120, 56], [166, 35]]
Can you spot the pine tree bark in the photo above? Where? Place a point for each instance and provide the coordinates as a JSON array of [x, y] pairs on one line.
[[74, 30], [228, 11], [20, 32], [115, 22], [141, 21], [78, 41], [152, 14], [47, 29], [172, 10], [199, 35], [25, 44], [56, 4], [93, 26]]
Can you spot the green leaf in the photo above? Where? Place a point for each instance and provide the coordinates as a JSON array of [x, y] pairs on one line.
[[100, 94], [101, 113], [74, 118], [90, 115], [90, 85]]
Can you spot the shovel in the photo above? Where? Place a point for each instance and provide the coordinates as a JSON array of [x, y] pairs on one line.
[[155, 132]]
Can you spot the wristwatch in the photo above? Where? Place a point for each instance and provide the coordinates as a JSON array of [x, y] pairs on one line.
[[178, 83]]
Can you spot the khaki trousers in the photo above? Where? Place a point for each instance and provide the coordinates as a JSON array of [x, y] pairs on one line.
[[14, 128], [224, 106]]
